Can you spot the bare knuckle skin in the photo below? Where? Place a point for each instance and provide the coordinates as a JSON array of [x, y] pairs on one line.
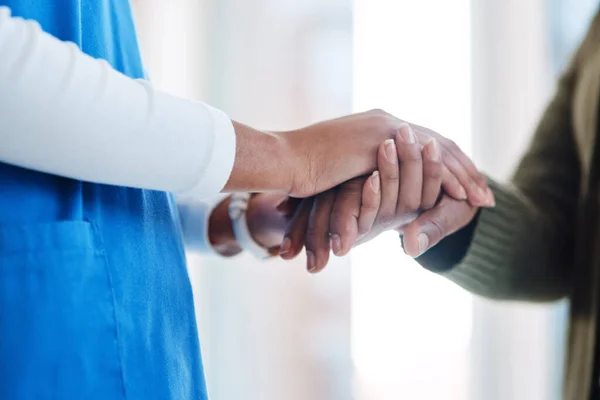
[[343, 223], [436, 229], [452, 163], [411, 157], [390, 128], [349, 227], [481, 180], [409, 151], [406, 209], [389, 123], [390, 177], [385, 221], [409, 205], [376, 111], [433, 170], [315, 234], [384, 125], [363, 231], [451, 145], [368, 206], [352, 188]]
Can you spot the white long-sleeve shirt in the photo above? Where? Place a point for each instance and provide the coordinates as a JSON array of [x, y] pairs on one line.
[[68, 114]]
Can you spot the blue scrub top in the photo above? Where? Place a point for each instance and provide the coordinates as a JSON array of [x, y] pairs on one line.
[[95, 298]]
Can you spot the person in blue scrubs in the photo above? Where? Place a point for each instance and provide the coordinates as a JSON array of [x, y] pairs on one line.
[[84, 283], [95, 298]]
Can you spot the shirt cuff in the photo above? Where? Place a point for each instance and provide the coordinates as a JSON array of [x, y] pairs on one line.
[[195, 216]]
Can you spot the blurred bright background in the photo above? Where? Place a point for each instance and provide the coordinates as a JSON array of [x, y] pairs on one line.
[[374, 325]]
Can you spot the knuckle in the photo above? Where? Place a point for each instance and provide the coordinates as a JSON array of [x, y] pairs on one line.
[[351, 188], [324, 198], [386, 220], [369, 204], [365, 228], [348, 226], [452, 146], [470, 184], [481, 180], [342, 223], [409, 205], [433, 170], [439, 226], [383, 122], [363, 231], [389, 126], [408, 151], [411, 155], [376, 111], [413, 203], [427, 204], [390, 177], [315, 234]]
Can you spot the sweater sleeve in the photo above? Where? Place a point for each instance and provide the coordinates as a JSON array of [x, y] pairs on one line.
[[65, 113], [523, 248]]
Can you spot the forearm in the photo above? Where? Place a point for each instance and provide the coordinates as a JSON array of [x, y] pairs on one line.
[[68, 114]]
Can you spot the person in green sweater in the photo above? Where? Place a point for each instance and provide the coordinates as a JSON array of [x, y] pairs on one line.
[[540, 243]]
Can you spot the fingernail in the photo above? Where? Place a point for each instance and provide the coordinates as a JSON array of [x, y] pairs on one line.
[[375, 182], [491, 199], [462, 193], [310, 261], [285, 247], [390, 151], [336, 244], [407, 134], [433, 151], [481, 195], [423, 242]]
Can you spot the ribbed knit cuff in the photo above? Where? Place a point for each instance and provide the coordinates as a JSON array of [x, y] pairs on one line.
[[487, 266]]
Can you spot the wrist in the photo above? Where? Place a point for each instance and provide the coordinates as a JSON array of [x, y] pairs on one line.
[[263, 162], [220, 231], [289, 162], [298, 161]]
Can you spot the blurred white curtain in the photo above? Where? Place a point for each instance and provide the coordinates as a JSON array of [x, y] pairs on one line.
[[411, 329], [517, 348]]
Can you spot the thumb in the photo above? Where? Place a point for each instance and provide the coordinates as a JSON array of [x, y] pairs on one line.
[[429, 228]]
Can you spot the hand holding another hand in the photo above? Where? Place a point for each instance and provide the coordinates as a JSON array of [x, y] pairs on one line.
[[448, 216], [329, 153], [391, 198], [415, 167]]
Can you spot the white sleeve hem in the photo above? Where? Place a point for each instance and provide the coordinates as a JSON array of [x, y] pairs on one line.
[[67, 114], [195, 218], [218, 169]]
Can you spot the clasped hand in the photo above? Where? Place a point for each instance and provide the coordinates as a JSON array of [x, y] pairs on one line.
[[418, 189]]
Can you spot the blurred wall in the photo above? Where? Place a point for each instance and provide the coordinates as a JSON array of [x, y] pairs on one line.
[[268, 330], [517, 348]]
